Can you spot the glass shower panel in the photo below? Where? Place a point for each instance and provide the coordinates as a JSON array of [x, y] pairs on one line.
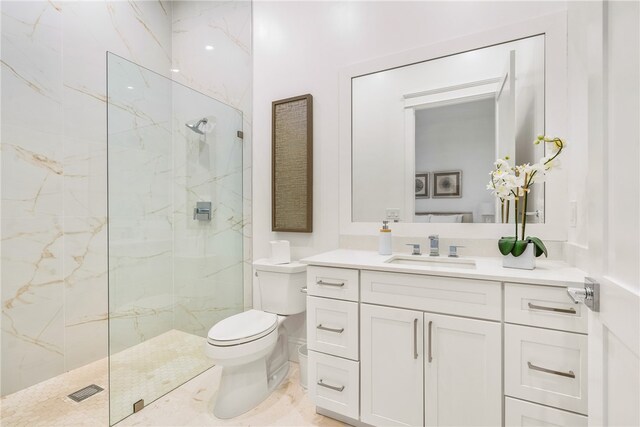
[[173, 273], [208, 264]]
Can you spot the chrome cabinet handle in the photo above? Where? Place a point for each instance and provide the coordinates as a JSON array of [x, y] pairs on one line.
[[533, 367], [323, 283], [558, 310], [332, 387], [303, 290], [415, 338], [429, 357], [324, 328]]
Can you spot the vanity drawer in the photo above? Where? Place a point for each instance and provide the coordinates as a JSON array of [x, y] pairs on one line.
[[464, 297], [548, 367], [334, 384], [519, 413], [544, 306], [339, 283], [332, 326]]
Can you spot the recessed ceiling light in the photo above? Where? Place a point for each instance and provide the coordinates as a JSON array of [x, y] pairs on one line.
[[209, 47], [175, 70], [130, 87]]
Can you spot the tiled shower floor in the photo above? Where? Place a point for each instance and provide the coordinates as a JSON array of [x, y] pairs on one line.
[[47, 404], [147, 370]]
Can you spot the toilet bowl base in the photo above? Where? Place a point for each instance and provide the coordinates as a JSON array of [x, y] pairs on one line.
[[242, 388]]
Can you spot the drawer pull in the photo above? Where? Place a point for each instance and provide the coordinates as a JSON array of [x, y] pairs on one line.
[[303, 290], [558, 310], [332, 387], [323, 283], [324, 328], [569, 374]]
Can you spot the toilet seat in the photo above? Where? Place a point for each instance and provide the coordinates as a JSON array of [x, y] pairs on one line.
[[242, 328]]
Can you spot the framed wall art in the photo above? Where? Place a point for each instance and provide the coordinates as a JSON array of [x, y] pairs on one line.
[[292, 164]]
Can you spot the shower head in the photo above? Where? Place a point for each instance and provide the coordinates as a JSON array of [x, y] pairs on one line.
[[196, 127]]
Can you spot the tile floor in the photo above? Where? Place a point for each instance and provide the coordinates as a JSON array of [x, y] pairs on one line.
[[47, 405], [190, 405], [153, 368]]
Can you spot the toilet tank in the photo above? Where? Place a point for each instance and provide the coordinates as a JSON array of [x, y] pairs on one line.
[[280, 286]]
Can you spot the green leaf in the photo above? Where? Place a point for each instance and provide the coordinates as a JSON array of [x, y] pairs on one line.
[[519, 247], [505, 244], [540, 247]]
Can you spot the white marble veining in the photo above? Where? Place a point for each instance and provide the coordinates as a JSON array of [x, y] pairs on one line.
[[552, 273], [225, 73], [54, 168]]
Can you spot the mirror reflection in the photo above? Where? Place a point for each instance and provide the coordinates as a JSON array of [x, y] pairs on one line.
[[425, 136]]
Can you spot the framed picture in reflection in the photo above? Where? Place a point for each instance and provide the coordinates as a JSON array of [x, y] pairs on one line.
[[422, 185], [447, 184]]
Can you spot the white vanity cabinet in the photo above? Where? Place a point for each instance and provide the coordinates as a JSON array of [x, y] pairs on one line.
[[406, 348]]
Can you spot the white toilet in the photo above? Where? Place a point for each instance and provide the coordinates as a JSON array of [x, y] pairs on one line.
[[252, 346]]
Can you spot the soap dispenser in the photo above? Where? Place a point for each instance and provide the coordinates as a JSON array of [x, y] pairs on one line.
[[384, 246]]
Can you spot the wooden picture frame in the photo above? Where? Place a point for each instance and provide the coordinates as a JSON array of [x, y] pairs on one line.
[[292, 164], [447, 185], [422, 186]]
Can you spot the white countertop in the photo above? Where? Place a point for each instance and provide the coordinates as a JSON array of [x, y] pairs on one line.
[[552, 273]]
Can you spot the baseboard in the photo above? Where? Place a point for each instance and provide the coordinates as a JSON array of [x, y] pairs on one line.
[[294, 344], [344, 419]]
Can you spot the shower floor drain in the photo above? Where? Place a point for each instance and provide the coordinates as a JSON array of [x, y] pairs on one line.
[[85, 393]]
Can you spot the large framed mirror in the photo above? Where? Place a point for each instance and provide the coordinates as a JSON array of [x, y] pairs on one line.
[[421, 129], [426, 135]]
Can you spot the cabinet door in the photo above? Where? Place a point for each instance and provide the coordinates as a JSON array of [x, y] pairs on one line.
[[463, 374], [392, 364]]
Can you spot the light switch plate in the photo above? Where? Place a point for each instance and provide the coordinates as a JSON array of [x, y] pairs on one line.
[[393, 214]]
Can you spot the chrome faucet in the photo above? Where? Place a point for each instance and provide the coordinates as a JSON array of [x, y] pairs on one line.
[[434, 245], [453, 251], [416, 248]]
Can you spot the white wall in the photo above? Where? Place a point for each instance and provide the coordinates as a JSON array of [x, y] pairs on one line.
[[300, 47], [457, 137]]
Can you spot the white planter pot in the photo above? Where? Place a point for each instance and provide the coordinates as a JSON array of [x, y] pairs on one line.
[[526, 261]]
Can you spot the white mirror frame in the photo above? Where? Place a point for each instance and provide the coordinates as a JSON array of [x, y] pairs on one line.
[[554, 27]]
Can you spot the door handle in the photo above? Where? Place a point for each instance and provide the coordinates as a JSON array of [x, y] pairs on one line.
[[415, 338], [429, 357], [589, 295]]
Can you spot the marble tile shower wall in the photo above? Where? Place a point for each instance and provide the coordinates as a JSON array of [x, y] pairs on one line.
[[208, 259], [54, 241], [222, 71], [141, 174]]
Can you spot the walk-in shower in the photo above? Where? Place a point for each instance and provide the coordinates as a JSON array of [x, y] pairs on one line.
[[171, 277]]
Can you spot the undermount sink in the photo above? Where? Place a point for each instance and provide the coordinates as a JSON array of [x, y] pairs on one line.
[[432, 262]]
